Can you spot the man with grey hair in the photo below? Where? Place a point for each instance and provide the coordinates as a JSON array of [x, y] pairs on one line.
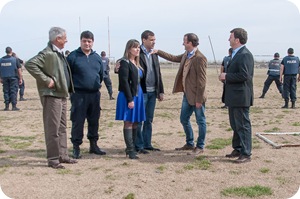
[[54, 82]]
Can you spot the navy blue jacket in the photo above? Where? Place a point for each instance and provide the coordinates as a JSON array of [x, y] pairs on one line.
[[9, 66], [87, 71], [291, 65]]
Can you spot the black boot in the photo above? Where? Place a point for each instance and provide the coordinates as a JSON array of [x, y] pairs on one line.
[[15, 108], [111, 97], [76, 152], [286, 104], [22, 99], [128, 137], [6, 107], [293, 105], [262, 95], [95, 149]]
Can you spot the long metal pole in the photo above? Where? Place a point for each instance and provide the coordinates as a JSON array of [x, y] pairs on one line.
[[213, 54], [79, 26], [108, 36]]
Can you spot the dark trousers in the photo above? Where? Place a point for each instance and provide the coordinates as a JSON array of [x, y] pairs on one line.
[[290, 87], [223, 94], [10, 90], [108, 84], [241, 126], [55, 124], [85, 106], [22, 88], [269, 81]]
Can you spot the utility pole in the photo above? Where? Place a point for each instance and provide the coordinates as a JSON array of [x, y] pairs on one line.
[[108, 36]]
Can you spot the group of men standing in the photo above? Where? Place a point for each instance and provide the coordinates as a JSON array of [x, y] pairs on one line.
[[81, 74]]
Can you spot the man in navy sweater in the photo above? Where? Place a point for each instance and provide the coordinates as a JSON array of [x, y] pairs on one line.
[[87, 74]]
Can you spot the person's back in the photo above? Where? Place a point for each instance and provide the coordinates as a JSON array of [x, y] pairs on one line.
[[106, 77]]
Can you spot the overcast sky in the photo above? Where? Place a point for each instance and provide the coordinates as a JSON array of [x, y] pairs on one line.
[[272, 25]]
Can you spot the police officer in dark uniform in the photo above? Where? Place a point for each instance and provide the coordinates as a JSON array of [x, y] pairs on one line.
[[224, 65], [21, 86], [106, 77], [11, 77], [273, 75], [289, 68]]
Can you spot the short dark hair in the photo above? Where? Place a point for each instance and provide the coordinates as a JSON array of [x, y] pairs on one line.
[[290, 51], [87, 34], [191, 37], [276, 55], [8, 50], [146, 34], [241, 34]]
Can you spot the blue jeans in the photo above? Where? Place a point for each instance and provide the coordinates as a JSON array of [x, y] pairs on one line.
[[186, 112], [144, 130]]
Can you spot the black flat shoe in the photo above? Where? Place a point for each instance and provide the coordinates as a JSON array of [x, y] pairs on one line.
[[152, 149]]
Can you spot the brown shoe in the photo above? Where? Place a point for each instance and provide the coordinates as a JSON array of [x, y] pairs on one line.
[[185, 147], [56, 166], [243, 159], [233, 154], [196, 151], [68, 161]]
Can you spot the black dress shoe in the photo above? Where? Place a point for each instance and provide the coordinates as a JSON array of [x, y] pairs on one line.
[[243, 159], [56, 166], [142, 151], [152, 149], [233, 154], [185, 148], [68, 161]]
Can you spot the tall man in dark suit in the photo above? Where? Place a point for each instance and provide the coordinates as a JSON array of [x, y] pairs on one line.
[[239, 95]]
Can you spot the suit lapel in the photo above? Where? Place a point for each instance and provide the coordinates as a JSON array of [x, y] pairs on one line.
[[232, 60]]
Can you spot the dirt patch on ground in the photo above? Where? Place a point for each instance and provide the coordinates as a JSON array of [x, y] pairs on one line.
[[165, 174]]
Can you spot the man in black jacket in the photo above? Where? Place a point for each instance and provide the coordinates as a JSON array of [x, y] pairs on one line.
[[87, 74], [153, 89], [239, 95]]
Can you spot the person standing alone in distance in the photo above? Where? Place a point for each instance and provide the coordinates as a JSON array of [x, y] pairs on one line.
[[106, 76], [224, 70], [289, 69], [273, 75], [11, 78], [239, 95]]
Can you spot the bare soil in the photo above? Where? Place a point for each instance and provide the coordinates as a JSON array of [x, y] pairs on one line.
[[166, 174]]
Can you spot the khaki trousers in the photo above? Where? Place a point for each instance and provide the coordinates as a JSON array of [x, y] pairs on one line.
[[55, 123]]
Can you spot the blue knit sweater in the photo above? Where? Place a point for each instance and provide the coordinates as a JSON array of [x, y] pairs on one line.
[[87, 71]]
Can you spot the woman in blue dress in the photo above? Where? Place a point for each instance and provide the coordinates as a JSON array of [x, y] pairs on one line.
[[130, 103]]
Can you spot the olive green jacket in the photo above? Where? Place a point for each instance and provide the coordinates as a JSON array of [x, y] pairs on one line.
[[46, 65]]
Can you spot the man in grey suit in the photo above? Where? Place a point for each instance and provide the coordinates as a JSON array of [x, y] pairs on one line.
[[239, 95]]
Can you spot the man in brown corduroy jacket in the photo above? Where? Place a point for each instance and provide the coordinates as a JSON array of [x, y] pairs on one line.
[[191, 80]]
